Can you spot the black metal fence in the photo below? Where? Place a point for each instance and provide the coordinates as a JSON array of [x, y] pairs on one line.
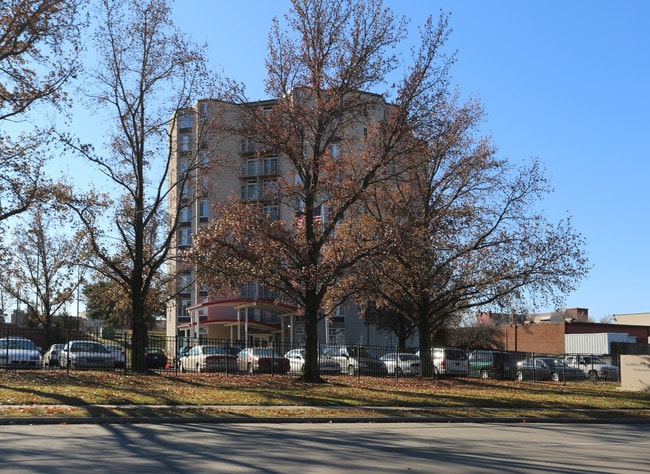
[[34, 349]]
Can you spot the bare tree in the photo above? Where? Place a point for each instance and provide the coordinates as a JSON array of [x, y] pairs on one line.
[[32, 33], [466, 232], [147, 71], [337, 140], [41, 270]]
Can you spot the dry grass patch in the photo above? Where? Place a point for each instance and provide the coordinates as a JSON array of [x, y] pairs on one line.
[[56, 393]]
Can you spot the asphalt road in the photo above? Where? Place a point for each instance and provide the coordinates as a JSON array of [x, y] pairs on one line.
[[326, 448]]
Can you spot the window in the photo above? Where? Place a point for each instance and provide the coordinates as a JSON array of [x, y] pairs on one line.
[[251, 167], [184, 215], [272, 212], [185, 303], [185, 237], [186, 191], [203, 210], [184, 143], [185, 122], [270, 188], [271, 165], [335, 151], [185, 284], [183, 166], [204, 158], [247, 146], [204, 112], [250, 191]]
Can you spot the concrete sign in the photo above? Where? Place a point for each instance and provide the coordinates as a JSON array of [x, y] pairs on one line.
[[635, 372]]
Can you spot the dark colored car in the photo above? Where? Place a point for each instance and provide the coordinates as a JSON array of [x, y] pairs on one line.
[[155, 358], [488, 364], [547, 368]]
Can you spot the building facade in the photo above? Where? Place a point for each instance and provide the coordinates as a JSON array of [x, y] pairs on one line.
[[226, 165]]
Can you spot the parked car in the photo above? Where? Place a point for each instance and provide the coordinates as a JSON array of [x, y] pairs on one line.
[[51, 356], [326, 365], [206, 358], [19, 352], [86, 355], [257, 359], [593, 366], [119, 356], [155, 358], [565, 371], [402, 363], [181, 352], [448, 361], [493, 364], [356, 360], [547, 368]]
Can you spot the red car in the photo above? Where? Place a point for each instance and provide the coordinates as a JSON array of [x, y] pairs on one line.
[[262, 360]]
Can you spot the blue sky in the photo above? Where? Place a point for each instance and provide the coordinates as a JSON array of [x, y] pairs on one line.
[[565, 81]]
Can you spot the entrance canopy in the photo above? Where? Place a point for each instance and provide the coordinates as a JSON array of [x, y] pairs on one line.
[[242, 306]]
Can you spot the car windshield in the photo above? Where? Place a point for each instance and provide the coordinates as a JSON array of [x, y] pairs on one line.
[[22, 344], [593, 360], [554, 363], [408, 357], [265, 353], [212, 350], [356, 351], [455, 354], [88, 347]]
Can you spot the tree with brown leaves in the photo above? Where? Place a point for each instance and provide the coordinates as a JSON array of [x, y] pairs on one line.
[[39, 44], [465, 231], [337, 140]]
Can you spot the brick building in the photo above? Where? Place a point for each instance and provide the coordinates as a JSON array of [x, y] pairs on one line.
[[549, 337]]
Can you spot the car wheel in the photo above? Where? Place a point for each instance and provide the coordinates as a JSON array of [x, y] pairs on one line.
[[593, 375], [398, 371], [555, 377], [249, 368], [351, 370], [484, 374], [520, 376]]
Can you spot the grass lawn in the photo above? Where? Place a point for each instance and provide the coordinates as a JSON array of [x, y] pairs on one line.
[[55, 393]]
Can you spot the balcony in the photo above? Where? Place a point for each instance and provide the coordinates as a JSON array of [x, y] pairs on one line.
[[247, 146], [264, 168]]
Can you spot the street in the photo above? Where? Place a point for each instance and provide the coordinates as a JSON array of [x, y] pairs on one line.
[[326, 448]]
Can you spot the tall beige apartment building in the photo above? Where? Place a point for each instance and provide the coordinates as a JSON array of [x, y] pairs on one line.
[[232, 165]]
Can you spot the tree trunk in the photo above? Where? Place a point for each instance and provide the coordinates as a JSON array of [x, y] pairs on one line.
[[426, 362], [311, 372]]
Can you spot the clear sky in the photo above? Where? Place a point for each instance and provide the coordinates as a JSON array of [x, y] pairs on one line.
[[565, 81]]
